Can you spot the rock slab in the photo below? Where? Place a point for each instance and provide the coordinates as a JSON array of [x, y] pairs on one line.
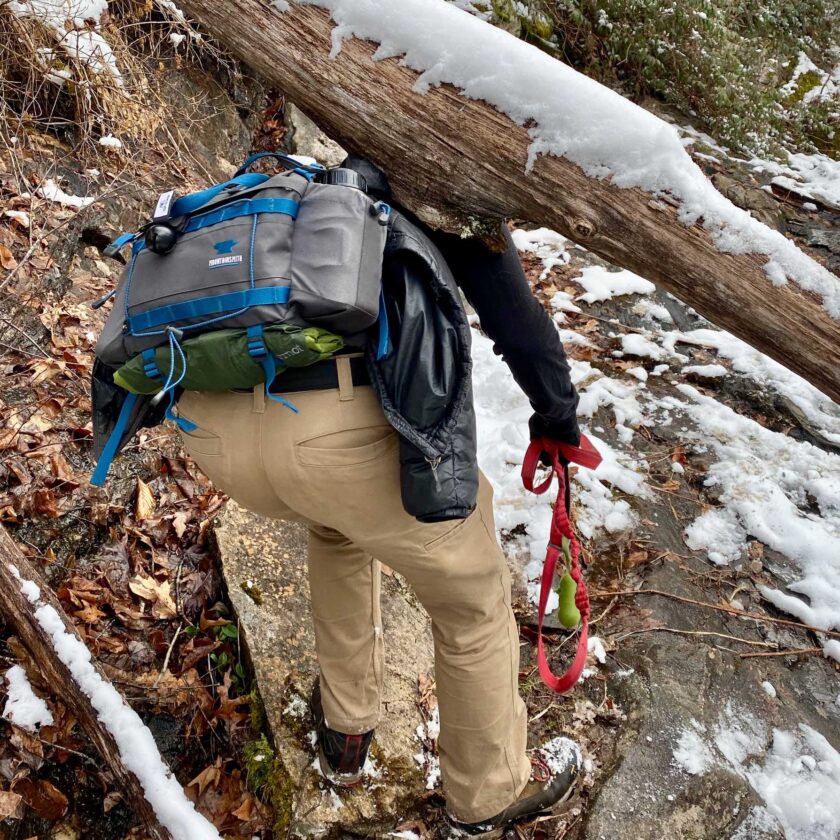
[[264, 565]]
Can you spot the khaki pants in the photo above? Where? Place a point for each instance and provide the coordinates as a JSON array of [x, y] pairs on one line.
[[335, 467]]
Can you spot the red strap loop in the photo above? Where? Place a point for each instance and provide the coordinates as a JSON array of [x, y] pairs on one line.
[[561, 526]]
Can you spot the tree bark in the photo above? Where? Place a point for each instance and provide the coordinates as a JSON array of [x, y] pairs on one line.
[[450, 159], [18, 613]]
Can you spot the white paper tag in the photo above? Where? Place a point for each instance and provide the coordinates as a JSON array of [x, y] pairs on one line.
[[163, 204]]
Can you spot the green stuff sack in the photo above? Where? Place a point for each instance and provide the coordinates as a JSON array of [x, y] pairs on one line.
[[219, 361]]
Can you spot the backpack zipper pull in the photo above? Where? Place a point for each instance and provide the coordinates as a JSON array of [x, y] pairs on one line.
[[434, 463], [97, 304]]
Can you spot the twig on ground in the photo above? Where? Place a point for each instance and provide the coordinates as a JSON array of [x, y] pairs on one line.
[[731, 610], [546, 709], [54, 746], [664, 629], [26, 335], [605, 613], [789, 652], [165, 666]]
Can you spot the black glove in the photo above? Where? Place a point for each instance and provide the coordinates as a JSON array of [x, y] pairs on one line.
[[565, 432]]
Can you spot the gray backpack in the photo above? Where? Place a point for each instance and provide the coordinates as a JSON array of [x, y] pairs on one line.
[[303, 248]]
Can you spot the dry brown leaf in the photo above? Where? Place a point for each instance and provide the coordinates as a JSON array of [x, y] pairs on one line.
[[30, 750], [44, 798], [179, 523], [90, 614], [636, 558], [47, 369], [159, 594], [11, 805], [246, 810], [209, 776], [7, 258], [145, 505]]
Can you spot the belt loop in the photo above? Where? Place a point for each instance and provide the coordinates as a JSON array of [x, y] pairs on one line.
[[345, 378], [259, 399]]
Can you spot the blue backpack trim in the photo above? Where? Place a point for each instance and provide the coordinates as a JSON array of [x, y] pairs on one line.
[[260, 353], [188, 204], [117, 245], [234, 210], [213, 305], [384, 331], [110, 450], [150, 367], [245, 207]]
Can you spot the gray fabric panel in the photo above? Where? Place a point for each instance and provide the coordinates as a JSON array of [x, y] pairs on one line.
[[110, 347], [337, 258]]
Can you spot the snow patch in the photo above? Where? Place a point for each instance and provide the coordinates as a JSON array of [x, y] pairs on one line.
[[601, 284], [50, 190], [814, 404], [691, 753], [706, 371], [75, 25], [23, 707], [634, 344], [769, 482], [546, 244]]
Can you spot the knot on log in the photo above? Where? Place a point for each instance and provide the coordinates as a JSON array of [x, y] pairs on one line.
[[583, 229]]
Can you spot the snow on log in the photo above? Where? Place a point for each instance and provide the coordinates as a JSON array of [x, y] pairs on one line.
[[472, 124], [124, 743]]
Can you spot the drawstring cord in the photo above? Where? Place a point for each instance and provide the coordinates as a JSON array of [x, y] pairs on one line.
[[172, 383]]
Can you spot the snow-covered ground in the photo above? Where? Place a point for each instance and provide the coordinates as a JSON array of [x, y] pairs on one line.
[[23, 707], [796, 772]]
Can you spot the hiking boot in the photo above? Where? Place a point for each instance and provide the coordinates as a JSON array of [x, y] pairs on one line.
[[555, 767], [342, 757]]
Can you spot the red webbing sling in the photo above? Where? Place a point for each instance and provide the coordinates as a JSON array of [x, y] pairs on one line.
[[561, 526]]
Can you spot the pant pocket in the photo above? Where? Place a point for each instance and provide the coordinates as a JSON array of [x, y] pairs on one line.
[[441, 533], [201, 442], [346, 448]]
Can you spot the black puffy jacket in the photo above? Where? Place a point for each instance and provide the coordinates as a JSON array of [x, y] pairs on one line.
[[424, 384]]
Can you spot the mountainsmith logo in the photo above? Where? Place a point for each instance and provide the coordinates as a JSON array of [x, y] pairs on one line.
[[221, 262]]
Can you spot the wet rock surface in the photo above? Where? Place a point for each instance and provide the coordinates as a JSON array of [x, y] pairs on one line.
[[264, 563], [307, 139]]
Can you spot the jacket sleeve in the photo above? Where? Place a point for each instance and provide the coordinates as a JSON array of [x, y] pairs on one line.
[[521, 330]]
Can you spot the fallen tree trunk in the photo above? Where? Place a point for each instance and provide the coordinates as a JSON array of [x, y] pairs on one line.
[[18, 612], [450, 159]]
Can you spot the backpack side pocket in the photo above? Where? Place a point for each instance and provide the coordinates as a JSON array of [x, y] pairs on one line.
[[337, 259]]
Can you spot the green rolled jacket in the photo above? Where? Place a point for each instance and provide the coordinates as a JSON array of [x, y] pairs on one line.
[[219, 360]]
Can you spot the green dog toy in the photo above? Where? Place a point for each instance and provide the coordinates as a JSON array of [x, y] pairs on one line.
[[567, 612]]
